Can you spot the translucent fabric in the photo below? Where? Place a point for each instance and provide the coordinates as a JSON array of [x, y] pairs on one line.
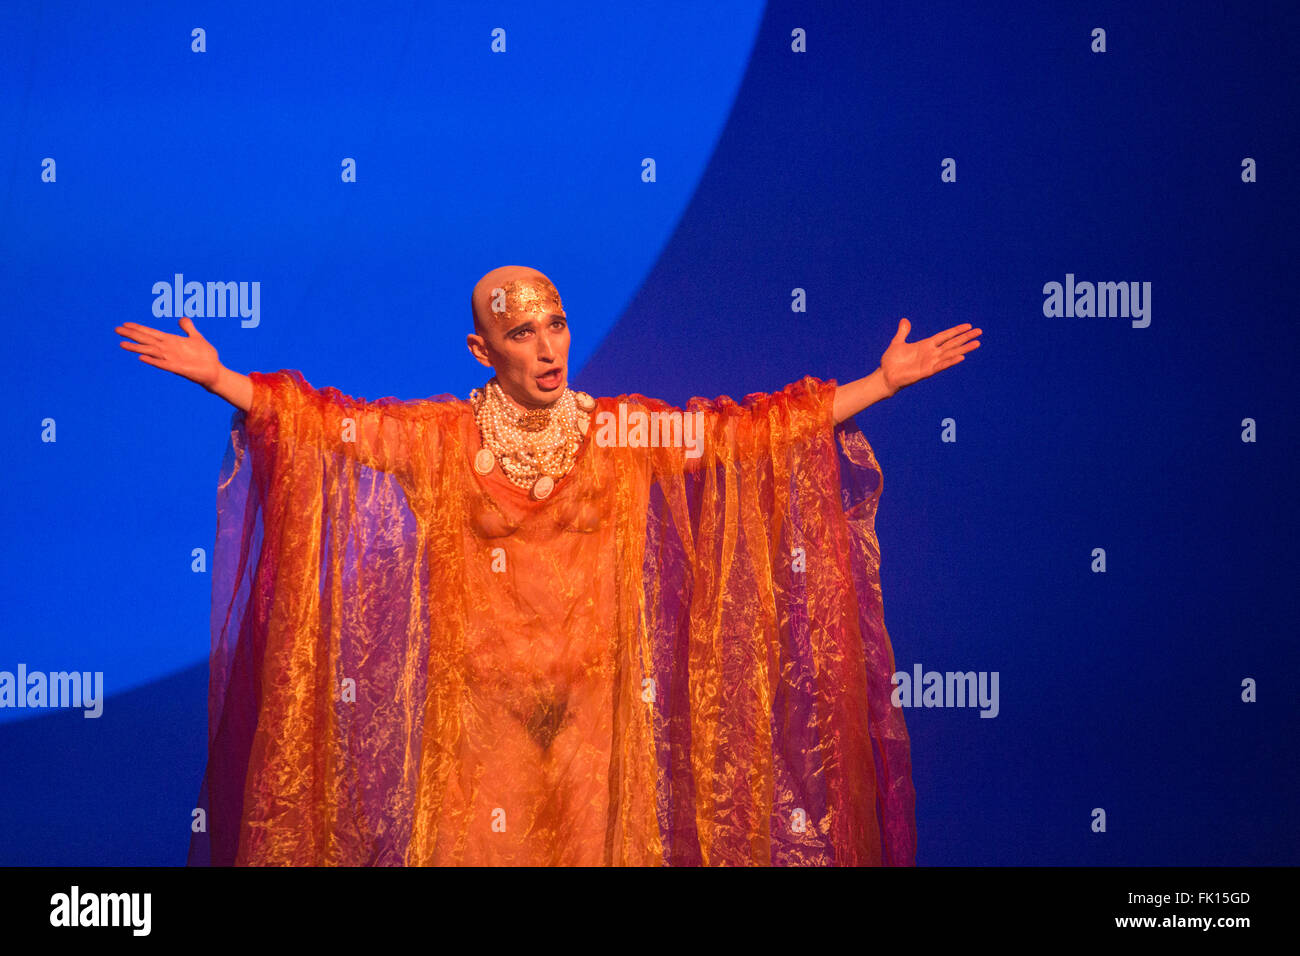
[[669, 660]]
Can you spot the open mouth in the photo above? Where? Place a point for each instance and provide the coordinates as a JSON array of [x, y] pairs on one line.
[[551, 379]]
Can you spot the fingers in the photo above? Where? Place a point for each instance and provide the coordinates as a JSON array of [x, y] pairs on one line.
[[956, 348], [136, 330], [144, 335], [961, 339], [155, 344], [941, 338]]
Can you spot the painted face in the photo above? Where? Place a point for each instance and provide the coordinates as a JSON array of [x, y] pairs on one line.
[[527, 338]]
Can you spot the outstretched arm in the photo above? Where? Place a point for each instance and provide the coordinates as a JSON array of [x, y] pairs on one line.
[[190, 356], [382, 435], [905, 363]]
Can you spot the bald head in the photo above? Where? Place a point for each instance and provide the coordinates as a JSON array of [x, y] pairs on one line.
[[522, 333], [508, 294]]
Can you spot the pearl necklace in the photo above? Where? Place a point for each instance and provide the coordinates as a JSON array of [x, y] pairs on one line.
[[534, 446]]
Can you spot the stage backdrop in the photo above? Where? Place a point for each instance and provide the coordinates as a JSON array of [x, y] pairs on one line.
[[1094, 514]]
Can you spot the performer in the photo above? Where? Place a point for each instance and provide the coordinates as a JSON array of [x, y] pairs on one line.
[[542, 628]]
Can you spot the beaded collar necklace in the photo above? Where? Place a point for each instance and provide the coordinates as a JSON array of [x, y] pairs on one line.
[[534, 446]]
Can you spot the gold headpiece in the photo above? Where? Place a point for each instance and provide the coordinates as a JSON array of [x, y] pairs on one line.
[[523, 296]]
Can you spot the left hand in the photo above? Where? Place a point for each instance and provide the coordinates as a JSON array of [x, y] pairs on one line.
[[907, 362]]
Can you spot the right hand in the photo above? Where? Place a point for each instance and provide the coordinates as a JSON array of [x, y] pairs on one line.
[[190, 356]]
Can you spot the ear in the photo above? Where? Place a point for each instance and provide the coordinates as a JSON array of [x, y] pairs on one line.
[[478, 349]]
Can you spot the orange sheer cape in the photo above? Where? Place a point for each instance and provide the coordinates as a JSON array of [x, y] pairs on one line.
[[669, 660]]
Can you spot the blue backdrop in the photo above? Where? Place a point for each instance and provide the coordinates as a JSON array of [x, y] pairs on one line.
[[679, 170]]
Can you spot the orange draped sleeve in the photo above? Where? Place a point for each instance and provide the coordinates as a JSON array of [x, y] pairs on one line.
[[669, 660], [763, 602]]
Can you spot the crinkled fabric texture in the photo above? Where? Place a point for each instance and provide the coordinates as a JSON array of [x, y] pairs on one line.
[[669, 660]]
